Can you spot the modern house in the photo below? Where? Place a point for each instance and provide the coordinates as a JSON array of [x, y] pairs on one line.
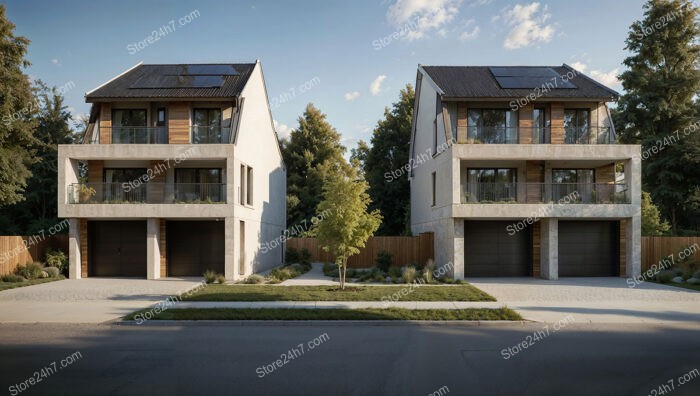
[[517, 172], [179, 172]]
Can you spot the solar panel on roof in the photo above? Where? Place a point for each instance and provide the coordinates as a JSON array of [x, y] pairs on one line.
[[529, 78], [183, 81], [523, 72], [210, 70]]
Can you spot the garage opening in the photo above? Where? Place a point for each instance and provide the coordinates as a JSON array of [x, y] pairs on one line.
[[489, 249], [589, 248], [194, 247], [117, 248]]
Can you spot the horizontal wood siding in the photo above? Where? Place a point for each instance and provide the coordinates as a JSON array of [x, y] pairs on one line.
[[106, 123], [525, 122], [557, 123], [179, 123]]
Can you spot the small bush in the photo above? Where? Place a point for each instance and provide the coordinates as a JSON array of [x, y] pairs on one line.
[[291, 256], [696, 275], [13, 278], [665, 276], [209, 276], [282, 274], [394, 272], [408, 274], [428, 270], [29, 271], [221, 279], [52, 271], [305, 257], [58, 259], [383, 260], [254, 279], [330, 269]]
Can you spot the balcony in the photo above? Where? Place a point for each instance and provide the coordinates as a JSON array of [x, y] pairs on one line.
[[528, 193], [209, 134], [537, 135], [149, 193], [137, 134]]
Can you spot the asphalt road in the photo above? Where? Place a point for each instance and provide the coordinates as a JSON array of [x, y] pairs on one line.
[[348, 359]]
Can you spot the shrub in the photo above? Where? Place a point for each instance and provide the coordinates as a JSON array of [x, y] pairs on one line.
[[330, 269], [383, 260], [209, 276], [52, 271], [221, 278], [305, 257], [29, 271], [58, 259], [254, 279], [408, 274], [291, 256], [13, 278], [428, 270], [696, 275], [282, 274], [665, 276], [394, 272]]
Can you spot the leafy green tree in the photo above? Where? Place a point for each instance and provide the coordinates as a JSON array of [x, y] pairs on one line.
[[652, 225], [349, 222], [661, 81], [389, 152], [17, 110], [312, 144]]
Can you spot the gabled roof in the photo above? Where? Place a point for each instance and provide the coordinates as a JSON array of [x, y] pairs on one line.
[[478, 82], [175, 81]]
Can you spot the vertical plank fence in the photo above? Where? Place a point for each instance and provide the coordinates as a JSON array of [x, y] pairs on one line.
[[18, 250], [656, 248]]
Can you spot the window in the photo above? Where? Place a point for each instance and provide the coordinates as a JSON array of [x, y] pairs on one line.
[[576, 126], [160, 121], [206, 126], [246, 189], [128, 126], [491, 185], [541, 124], [241, 189], [578, 184], [198, 184], [249, 189], [115, 180], [492, 126], [434, 189]]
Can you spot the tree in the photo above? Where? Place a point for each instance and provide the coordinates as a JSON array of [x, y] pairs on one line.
[[660, 83], [348, 223], [17, 110], [651, 218], [312, 144], [389, 152]]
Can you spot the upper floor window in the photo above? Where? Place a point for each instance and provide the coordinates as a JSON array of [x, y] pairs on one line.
[[246, 189], [199, 184], [491, 185], [577, 126], [129, 126], [492, 126], [206, 126]]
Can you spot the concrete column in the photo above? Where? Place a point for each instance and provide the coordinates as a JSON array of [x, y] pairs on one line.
[[230, 267], [549, 245], [153, 248], [633, 234], [458, 249], [74, 269], [633, 178]]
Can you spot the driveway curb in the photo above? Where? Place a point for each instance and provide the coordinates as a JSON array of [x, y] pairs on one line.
[[467, 323]]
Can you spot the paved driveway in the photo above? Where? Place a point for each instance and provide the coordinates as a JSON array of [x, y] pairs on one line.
[[91, 300], [595, 300]]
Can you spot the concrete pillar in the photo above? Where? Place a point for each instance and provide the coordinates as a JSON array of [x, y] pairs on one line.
[[633, 233], [74, 259], [230, 267], [153, 248], [549, 245], [457, 249]]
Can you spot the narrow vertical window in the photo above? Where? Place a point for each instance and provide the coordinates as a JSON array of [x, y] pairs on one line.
[[249, 179], [434, 188]]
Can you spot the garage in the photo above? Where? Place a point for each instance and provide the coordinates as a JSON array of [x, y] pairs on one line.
[[117, 248], [489, 250], [589, 248], [195, 247]]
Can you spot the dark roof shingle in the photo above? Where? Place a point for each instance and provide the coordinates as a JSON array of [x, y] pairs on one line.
[[478, 82], [120, 87]]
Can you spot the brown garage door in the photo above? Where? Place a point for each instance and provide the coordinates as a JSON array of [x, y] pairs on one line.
[[117, 248], [194, 247], [489, 250], [589, 248]]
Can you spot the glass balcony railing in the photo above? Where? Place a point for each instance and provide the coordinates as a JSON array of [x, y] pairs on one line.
[[137, 135], [492, 135], [149, 193], [537, 135], [209, 134], [564, 193]]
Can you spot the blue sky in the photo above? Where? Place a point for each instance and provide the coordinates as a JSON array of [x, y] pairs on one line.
[[344, 50]]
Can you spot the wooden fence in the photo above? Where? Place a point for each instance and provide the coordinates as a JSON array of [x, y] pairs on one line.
[[656, 248], [18, 250], [404, 250]]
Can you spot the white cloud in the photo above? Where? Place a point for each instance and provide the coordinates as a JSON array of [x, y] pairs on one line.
[[55, 62], [420, 17], [376, 87], [350, 96], [609, 79], [469, 35], [282, 130], [579, 66], [527, 25]]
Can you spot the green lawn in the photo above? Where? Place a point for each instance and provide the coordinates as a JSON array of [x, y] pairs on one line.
[[334, 314], [331, 293], [12, 285], [683, 285]]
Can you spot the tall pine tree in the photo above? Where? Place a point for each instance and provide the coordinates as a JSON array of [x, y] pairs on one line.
[[660, 82]]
